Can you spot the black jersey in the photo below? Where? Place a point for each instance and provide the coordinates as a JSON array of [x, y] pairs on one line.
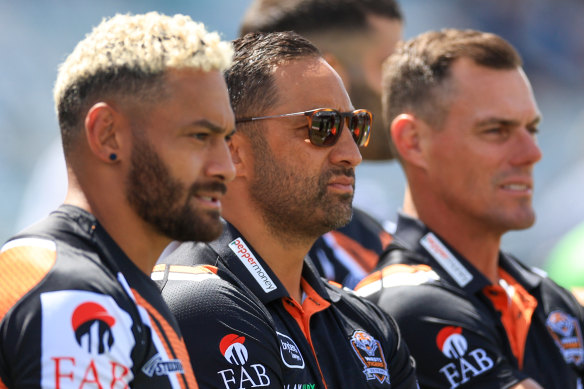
[[350, 253], [242, 329], [75, 312], [465, 332]]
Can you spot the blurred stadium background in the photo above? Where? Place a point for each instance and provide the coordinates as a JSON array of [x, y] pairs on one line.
[[35, 36]]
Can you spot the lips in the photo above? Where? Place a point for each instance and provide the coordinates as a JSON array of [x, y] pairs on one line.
[[342, 181], [210, 200], [518, 186], [343, 184]]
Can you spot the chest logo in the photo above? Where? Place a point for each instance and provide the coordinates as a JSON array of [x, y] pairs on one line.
[[240, 374], [93, 327], [466, 364], [370, 353], [567, 334], [290, 352]]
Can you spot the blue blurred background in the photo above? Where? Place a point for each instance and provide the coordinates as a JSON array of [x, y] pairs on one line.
[[35, 36]]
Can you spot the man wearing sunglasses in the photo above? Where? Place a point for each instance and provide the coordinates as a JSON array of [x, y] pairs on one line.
[[355, 36], [464, 121], [257, 314]]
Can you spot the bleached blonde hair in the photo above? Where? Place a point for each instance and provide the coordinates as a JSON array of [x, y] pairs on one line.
[[128, 55]]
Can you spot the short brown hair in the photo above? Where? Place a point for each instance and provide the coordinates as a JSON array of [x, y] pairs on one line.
[[415, 75], [250, 78]]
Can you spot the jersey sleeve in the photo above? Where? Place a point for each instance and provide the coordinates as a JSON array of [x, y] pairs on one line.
[[52, 333], [402, 366], [452, 343], [229, 339]]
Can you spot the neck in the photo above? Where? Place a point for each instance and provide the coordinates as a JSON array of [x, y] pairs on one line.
[[137, 239], [474, 241], [283, 254]]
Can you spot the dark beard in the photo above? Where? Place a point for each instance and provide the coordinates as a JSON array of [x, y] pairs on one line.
[[164, 202], [294, 205]]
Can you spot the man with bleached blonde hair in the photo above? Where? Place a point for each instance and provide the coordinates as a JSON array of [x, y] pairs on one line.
[[145, 120]]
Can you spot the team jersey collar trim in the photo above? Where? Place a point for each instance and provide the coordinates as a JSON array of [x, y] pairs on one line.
[[242, 259], [111, 254], [525, 276], [248, 266], [414, 235]]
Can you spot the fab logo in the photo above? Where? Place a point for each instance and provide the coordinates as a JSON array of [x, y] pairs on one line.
[[467, 364], [242, 375]]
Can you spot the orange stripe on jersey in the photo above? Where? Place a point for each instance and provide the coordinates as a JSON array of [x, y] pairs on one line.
[[401, 268], [192, 269], [385, 238], [371, 278], [3, 385], [23, 266], [176, 348], [160, 267], [312, 304], [391, 269], [516, 307], [366, 258]]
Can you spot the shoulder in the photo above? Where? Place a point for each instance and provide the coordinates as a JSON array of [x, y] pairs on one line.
[[204, 290], [222, 326]]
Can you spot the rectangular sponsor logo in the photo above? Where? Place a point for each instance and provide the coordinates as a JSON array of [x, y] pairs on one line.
[[446, 259], [243, 252]]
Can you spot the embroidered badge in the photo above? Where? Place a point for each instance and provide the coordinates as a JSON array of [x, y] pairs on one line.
[[369, 351], [567, 334]]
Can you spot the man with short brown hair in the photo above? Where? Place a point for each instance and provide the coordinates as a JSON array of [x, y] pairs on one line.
[[464, 121]]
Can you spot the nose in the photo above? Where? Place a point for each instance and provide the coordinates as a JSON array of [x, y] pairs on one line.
[[527, 151], [220, 164], [346, 152]]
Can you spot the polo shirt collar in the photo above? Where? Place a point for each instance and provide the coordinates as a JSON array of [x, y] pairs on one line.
[[249, 267], [434, 251]]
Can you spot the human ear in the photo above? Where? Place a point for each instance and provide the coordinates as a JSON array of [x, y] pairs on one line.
[[101, 129], [406, 136], [240, 153]]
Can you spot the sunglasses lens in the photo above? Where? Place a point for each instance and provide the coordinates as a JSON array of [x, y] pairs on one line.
[[360, 125], [324, 129]]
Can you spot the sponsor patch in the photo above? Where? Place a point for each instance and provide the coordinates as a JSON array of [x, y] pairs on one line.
[[233, 350], [369, 351], [466, 364], [290, 353], [243, 252], [446, 259], [86, 338], [159, 366], [566, 332], [242, 376]]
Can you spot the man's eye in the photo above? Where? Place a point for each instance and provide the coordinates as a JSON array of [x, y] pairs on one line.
[[200, 135], [533, 130], [229, 136]]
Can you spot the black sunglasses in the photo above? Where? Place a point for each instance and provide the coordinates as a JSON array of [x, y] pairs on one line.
[[325, 125]]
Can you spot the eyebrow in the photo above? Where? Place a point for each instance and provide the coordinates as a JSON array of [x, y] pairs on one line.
[[506, 122], [210, 125]]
